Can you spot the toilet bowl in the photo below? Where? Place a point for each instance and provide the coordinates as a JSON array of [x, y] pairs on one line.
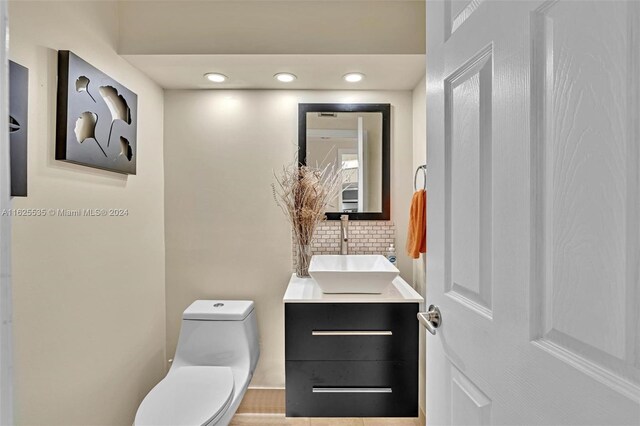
[[215, 359]]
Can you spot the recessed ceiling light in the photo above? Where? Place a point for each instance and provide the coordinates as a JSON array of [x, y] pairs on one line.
[[353, 77], [215, 77], [285, 77]]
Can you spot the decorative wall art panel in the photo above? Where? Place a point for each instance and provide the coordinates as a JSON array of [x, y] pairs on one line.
[[97, 117], [18, 112]]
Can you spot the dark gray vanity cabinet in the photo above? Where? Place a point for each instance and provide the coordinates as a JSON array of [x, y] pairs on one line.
[[351, 359]]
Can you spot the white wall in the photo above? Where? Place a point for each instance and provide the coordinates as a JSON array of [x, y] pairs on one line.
[[420, 265], [225, 237], [89, 299]]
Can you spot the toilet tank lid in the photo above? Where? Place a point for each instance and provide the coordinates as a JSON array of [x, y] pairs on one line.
[[218, 310]]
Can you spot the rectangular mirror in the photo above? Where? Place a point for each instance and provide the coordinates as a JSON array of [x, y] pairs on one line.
[[355, 139]]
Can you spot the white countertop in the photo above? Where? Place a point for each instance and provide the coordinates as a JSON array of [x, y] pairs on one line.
[[306, 290]]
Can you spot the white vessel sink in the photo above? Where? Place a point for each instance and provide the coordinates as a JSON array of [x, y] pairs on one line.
[[352, 273]]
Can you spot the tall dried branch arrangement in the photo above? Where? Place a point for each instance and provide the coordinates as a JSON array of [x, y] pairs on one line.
[[303, 194]]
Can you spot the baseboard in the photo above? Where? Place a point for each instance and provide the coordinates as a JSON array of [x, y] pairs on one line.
[[263, 401]]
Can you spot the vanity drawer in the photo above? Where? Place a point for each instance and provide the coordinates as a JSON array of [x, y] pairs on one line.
[[351, 331], [352, 389]]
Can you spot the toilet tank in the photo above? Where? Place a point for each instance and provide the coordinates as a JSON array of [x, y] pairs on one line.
[[219, 333]]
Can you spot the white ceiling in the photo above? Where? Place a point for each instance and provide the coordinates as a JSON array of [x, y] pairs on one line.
[[315, 72], [175, 42], [271, 27]]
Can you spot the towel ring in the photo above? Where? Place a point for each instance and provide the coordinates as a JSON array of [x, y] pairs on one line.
[[415, 177]]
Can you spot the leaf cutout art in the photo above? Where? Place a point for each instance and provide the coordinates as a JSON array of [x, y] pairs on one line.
[[117, 106], [125, 148], [86, 128], [82, 85], [14, 126]]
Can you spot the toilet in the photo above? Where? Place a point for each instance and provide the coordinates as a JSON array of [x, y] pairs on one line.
[[215, 359]]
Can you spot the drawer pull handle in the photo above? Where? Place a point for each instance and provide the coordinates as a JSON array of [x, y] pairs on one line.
[[352, 390], [352, 333]]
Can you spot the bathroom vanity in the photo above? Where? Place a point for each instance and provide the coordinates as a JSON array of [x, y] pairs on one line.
[[351, 355]]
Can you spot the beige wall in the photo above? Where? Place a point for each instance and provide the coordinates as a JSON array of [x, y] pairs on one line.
[[6, 326], [89, 297], [225, 237], [419, 265]]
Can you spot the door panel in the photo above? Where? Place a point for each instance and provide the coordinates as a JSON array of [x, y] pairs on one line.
[[469, 405], [456, 12], [534, 212], [586, 163], [468, 182]]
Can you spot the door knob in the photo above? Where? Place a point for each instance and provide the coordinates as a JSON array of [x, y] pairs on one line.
[[430, 319]]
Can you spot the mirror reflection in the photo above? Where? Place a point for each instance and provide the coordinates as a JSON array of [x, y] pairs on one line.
[[352, 143]]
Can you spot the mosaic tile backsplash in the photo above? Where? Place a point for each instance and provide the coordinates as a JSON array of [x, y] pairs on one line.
[[365, 237]]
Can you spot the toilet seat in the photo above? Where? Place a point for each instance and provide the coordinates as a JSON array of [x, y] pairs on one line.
[[188, 396]]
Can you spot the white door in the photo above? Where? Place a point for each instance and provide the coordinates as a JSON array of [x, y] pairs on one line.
[[533, 131]]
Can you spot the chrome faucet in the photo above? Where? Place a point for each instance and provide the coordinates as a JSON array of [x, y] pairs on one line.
[[344, 234]]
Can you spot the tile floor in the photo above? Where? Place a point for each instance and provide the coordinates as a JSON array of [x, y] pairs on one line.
[[280, 420], [265, 407]]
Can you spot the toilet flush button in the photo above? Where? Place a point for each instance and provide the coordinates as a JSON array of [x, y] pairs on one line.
[[218, 310]]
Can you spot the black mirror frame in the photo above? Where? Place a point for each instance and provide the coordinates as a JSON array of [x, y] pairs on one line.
[[385, 109]]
